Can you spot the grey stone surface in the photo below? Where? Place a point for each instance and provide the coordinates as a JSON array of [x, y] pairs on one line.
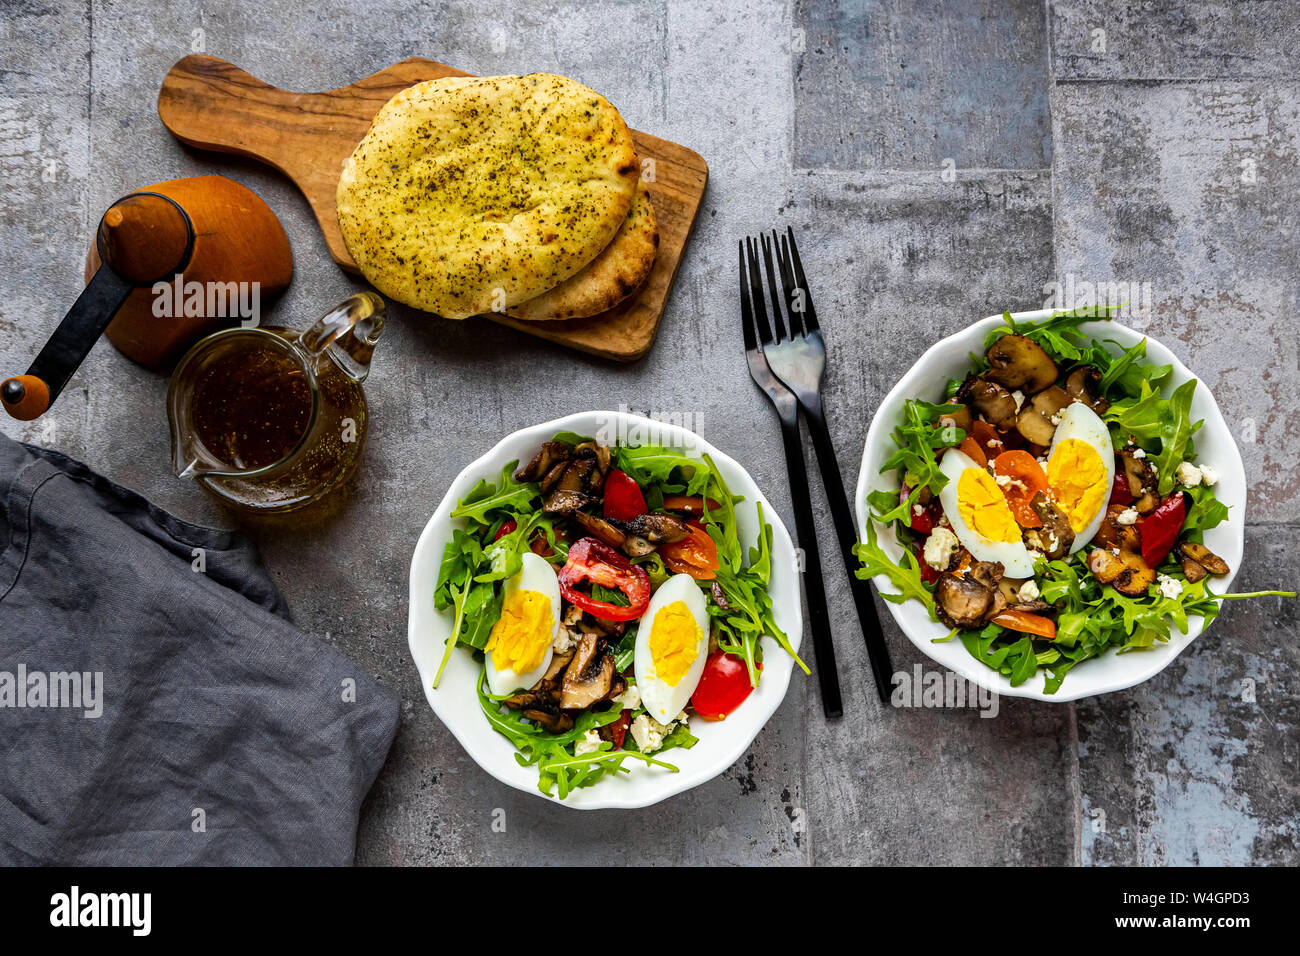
[[841, 133]]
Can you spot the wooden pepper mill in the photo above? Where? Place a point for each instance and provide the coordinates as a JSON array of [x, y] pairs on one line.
[[206, 230]]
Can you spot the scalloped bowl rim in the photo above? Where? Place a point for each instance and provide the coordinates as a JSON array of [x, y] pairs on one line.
[[1111, 671], [455, 702]]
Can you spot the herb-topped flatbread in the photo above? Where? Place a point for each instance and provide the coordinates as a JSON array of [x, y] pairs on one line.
[[474, 194]]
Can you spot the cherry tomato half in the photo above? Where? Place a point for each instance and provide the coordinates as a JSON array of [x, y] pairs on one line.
[[696, 554], [507, 527], [1026, 480], [723, 686], [623, 498]]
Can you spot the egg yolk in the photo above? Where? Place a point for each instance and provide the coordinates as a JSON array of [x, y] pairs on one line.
[[1077, 478], [983, 507], [674, 642], [522, 634]]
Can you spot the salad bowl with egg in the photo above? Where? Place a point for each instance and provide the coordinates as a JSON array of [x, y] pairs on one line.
[[1051, 504], [604, 610]]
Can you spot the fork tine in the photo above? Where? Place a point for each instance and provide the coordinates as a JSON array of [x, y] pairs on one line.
[[756, 293], [746, 312], [810, 314], [793, 309], [777, 322]]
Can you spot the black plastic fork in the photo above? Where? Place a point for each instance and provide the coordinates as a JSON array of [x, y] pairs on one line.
[[797, 356], [756, 329]]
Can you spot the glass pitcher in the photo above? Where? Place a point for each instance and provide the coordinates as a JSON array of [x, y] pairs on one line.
[[269, 419]]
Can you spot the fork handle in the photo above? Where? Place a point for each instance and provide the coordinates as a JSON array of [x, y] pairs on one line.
[[818, 617], [846, 530]]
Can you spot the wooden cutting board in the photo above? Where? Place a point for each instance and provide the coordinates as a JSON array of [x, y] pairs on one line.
[[210, 104]]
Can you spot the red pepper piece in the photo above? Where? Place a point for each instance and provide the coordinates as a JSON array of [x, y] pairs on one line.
[[1159, 530], [618, 729], [1119, 492], [623, 498], [507, 526], [594, 561]]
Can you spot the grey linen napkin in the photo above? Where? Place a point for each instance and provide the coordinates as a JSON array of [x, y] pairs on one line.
[[223, 736]]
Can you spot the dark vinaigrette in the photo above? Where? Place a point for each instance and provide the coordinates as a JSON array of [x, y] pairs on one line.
[[251, 407]]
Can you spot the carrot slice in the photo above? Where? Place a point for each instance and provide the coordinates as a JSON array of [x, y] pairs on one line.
[[1027, 622], [972, 450]]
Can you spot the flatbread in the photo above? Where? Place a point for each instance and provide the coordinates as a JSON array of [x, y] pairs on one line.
[[474, 194], [620, 269]]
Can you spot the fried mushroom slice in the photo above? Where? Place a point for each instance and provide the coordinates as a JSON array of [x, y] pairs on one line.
[[1017, 362], [962, 601], [600, 528], [1198, 560], [1081, 386], [658, 528], [991, 400], [1111, 534], [1143, 482], [1054, 537], [1126, 572], [548, 456], [553, 721], [956, 416], [562, 502], [1035, 420], [589, 675]]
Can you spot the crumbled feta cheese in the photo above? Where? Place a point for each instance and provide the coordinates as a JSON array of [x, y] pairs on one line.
[[1028, 592], [1127, 516], [1056, 417], [939, 548], [917, 510], [630, 699], [588, 743], [1033, 555], [1138, 453], [1188, 475], [1003, 480], [564, 640], [683, 718], [1019, 396], [648, 733], [1209, 476], [1169, 587]]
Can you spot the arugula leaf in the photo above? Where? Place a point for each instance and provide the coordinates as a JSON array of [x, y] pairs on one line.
[[458, 601], [648, 464], [1176, 431], [905, 576], [559, 770], [507, 494], [916, 440]]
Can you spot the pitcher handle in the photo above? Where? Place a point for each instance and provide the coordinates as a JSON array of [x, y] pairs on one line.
[[348, 332]]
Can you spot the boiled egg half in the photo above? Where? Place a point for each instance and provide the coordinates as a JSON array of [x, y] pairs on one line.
[[1081, 470], [980, 516], [519, 649], [672, 644]]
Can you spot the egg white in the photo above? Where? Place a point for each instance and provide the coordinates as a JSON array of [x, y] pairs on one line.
[[1013, 555], [1081, 423], [661, 701], [535, 575]]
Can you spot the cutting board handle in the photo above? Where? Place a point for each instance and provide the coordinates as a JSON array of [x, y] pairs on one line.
[[209, 103]]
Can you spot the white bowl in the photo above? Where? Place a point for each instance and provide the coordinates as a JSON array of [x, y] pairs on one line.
[[950, 358], [721, 743]]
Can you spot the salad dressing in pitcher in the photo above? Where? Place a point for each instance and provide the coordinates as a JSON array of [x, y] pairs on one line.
[[270, 419]]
